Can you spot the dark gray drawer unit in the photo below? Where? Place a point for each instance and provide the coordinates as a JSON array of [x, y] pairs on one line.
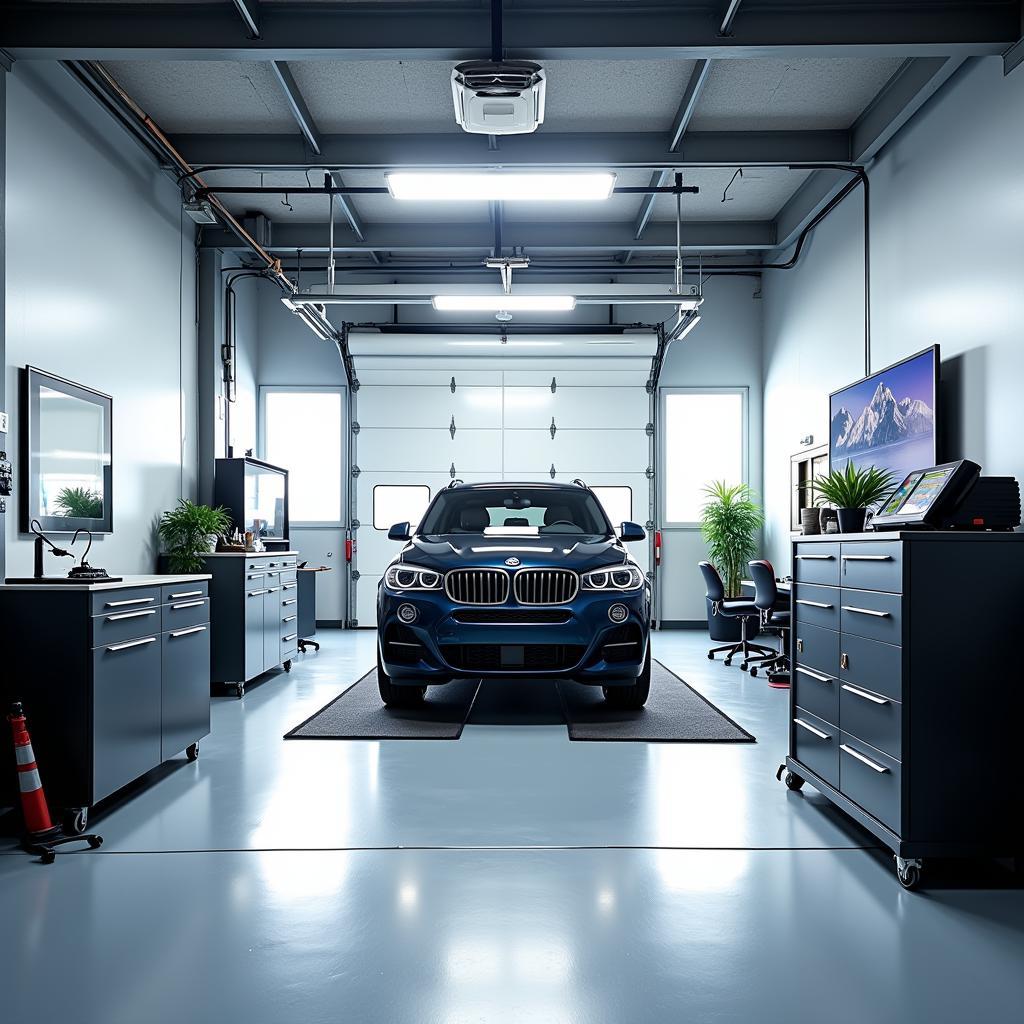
[[900, 693], [110, 689], [247, 596]]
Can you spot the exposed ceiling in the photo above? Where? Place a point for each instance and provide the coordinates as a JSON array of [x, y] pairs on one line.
[[643, 88]]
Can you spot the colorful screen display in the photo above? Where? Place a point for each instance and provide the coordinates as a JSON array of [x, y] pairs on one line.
[[924, 493], [901, 494]]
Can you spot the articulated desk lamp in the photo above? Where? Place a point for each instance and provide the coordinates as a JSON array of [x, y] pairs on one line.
[[81, 573]]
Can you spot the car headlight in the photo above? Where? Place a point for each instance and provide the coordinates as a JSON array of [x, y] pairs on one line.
[[613, 578], [412, 577]]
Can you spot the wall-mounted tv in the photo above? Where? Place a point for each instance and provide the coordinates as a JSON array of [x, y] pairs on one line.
[[888, 419]]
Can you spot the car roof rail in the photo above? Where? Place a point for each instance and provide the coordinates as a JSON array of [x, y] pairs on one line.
[[581, 483], [454, 483]]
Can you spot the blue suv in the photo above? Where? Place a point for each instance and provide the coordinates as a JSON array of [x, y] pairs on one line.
[[514, 580]]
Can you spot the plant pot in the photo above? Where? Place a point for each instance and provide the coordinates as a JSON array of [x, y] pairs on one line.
[[828, 522], [851, 520], [809, 521], [722, 628]]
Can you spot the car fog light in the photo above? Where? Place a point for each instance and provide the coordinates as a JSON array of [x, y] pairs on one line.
[[618, 613], [407, 613]]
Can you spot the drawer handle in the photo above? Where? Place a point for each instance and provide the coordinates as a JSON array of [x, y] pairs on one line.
[[186, 632], [257, 575], [289, 618], [814, 675], [131, 615], [867, 696], [290, 586], [865, 611], [187, 593], [272, 590], [132, 643], [844, 661], [257, 593], [880, 768], [810, 728], [867, 558], [815, 558], [290, 636], [188, 604], [813, 604], [257, 567], [134, 600], [291, 600]]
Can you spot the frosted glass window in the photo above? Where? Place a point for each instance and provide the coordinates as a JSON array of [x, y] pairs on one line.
[[704, 437], [617, 503], [302, 432], [399, 503]]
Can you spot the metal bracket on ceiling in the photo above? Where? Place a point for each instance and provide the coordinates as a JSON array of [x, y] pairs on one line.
[[554, 385], [355, 471], [451, 427], [452, 385], [553, 428], [451, 471], [551, 472]]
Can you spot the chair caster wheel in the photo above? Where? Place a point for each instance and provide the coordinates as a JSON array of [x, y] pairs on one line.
[[793, 782], [711, 657], [753, 671], [728, 661], [743, 666]]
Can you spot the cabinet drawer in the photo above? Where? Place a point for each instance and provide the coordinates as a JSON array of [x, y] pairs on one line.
[[125, 599], [870, 779], [816, 605], [258, 581], [816, 744], [817, 692], [871, 717], [288, 590], [125, 714], [869, 565], [186, 613], [125, 624], [287, 575], [816, 563], [873, 614], [175, 592], [817, 648], [873, 665]]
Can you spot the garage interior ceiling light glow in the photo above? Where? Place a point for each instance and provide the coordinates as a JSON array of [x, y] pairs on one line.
[[510, 303], [463, 186]]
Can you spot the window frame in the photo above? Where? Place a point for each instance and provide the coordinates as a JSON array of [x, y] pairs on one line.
[[744, 394], [261, 439], [373, 506]]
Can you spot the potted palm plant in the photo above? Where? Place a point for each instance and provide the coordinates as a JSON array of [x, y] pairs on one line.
[[190, 531], [852, 491], [730, 521]]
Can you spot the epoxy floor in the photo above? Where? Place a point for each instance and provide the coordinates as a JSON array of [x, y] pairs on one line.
[[509, 876]]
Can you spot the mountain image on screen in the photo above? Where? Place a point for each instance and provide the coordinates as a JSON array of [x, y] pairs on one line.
[[883, 421]]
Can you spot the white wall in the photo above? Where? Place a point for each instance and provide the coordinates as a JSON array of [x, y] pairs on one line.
[[100, 288], [947, 252]]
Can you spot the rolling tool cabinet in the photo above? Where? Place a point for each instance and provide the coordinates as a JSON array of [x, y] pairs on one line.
[[114, 677], [255, 614], [905, 706]]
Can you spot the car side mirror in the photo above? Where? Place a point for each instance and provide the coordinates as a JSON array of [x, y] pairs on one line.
[[631, 532], [400, 531]]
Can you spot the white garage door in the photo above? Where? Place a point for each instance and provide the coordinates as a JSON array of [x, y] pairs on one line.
[[414, 437]]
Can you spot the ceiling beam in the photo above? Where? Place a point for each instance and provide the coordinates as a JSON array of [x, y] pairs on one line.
[[716, 236], [729, 12], [1012, 59], [900, 99], [188, 31], [572, 149], [296, 104], [249, 12]]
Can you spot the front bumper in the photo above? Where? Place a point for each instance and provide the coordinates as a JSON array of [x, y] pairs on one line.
[[586, 646]]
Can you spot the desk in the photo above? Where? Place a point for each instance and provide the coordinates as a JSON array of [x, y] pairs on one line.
[[307, 605], [784, 588]]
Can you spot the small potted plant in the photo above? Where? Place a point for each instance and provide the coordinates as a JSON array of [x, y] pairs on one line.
[[852, 491], [190, 531], [729, 523], [79, 503]]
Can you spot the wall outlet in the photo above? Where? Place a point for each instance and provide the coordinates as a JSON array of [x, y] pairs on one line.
[[807, 439]]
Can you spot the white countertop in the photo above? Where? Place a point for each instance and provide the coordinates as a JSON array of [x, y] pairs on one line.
[[248, 554], [127, 581]]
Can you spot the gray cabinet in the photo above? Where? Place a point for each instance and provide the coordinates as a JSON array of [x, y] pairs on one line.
[[114, 680], [903, 710], [248, 593]]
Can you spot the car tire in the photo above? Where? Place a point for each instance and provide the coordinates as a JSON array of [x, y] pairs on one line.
[[397, 696], [634, 696]]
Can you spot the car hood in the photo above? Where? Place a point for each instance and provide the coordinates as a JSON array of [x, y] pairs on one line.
[[473, 550]]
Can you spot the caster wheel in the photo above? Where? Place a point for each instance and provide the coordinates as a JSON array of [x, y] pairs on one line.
[[743, 666], [288, 665], [75, 820], [909, 875], [192, 751], [753, 671], [240, 690], [95, 842], [728, 661], [48, 857], [711, 657], [793, 782]]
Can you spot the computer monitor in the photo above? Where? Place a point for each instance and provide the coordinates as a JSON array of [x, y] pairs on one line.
[[926, 495]]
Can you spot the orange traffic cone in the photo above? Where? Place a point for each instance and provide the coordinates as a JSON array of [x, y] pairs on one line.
[[42, 836]]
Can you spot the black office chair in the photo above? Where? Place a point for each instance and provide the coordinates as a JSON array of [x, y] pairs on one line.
[[732, 608], [766, 596]]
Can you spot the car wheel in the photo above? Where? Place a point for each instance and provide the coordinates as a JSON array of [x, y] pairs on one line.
[[634, 696], [397, 696]]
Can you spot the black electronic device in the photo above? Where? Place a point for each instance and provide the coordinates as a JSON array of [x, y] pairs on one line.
[[993, 503], [927, 497], [81, 573]]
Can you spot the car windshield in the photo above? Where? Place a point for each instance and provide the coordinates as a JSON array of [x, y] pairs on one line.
[[530, 510]]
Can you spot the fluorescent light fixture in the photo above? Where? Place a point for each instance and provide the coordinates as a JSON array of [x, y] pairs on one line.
[[497, 303], [466, 186], [511, 343]]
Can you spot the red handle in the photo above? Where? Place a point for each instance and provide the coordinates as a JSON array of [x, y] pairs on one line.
[[657, 547]]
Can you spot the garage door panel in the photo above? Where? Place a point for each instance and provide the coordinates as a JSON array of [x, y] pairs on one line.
[[576, 451], [576, 408], [366, 600], [402, 406], [426, 451]]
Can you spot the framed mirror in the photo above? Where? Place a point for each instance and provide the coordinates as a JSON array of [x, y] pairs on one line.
[[65, 454]]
